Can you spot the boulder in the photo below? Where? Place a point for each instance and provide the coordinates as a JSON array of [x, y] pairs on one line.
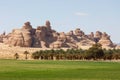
[[2, 36], [78, 32], [62, 36], [27, 25], [98, 34], [71, 33], [48, 25], [91, 35]]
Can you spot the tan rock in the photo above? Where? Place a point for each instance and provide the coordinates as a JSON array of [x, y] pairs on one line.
[[78, 32], [48, 25], [27, 25], [57, 44], [62, 36], [45, 37], [85, 42], [98, 34], [105, 40]]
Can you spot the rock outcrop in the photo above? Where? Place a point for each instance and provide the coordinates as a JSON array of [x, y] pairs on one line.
[[21, 37], [46, 37], [2, 36], [105, 41]]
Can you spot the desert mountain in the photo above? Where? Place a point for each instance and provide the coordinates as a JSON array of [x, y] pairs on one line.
[[46, 37]]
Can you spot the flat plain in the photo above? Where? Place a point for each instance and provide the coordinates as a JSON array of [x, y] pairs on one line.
[[58, 70]]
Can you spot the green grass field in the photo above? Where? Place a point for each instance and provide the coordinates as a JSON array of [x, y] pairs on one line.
[[58, 70]]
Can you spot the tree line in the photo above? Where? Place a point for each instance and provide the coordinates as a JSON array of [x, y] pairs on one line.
[[93, 53]]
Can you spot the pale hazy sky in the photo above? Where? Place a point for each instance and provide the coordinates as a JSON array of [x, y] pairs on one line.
[[65, 15]]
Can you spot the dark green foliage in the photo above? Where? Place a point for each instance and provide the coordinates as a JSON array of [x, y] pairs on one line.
[[95, 52], [26, 54], [108, 54], [16, 56]]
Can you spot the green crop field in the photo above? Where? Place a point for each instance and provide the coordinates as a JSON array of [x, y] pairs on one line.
[[58, 70]]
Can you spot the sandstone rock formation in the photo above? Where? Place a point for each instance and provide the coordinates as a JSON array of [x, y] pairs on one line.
[[105, 40], [27, 26], [78, 32], [2, 36], [46, 37], [21, 37]]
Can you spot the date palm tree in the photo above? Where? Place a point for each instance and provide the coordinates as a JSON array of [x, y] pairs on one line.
[[16, 56], [36, 55], [26, 54]]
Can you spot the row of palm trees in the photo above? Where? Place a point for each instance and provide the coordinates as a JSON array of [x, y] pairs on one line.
[[95, 52], [58, 54], [111, 54]]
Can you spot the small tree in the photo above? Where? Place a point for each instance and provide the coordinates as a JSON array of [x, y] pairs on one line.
[[95, 52], [26, 54], [16, 56]]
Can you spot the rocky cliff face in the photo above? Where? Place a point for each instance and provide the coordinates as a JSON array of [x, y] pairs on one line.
[[20, 37], [105, 40], [45, 37]]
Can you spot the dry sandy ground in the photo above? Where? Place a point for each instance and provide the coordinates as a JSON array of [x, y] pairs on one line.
[[7, 52]]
